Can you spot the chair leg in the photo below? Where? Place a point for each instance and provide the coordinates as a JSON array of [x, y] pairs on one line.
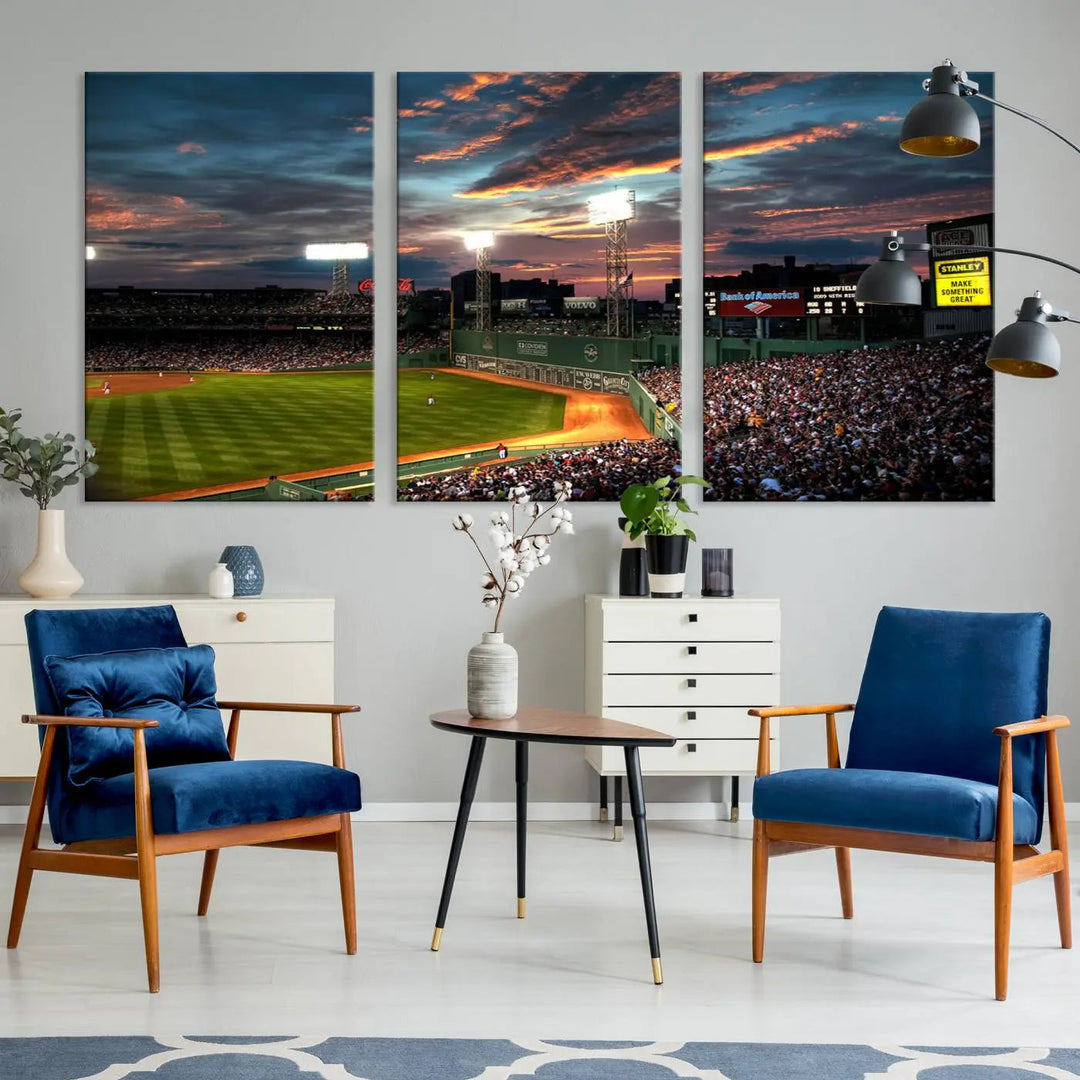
[[760, 887], [209, 868], [1059, 839], [149, 900], [843, 872], [144, 844], [348, 883], [35, 816]]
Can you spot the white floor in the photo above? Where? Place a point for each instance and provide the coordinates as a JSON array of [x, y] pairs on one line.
[[915, 966]]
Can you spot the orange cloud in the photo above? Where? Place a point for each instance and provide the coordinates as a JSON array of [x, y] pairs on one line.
[[408, 250], [359, 129], [759, 84], [109, 211], [791, 141], [463, 150], [191, 148], [477, 81]]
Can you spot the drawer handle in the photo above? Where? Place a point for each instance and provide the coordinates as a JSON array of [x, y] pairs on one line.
[[691, 747], [691, 650], [692, 617], [691, 714], [691, 683], [241, 616]]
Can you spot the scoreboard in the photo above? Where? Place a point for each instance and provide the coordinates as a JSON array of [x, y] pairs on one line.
[[832, 300]]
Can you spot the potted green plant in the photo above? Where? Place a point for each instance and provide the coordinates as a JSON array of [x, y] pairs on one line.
[[656, 510], [41, 468]]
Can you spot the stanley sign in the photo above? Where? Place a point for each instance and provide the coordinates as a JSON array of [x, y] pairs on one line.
[[962, 282]]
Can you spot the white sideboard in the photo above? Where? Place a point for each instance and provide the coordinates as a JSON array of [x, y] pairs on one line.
[[268, 648], [690, 667]]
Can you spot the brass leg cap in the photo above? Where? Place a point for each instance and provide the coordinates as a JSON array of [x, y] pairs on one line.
[[603, 813], [657, 971], [618, 833], [436, 939], [521, 907], [734, 813]]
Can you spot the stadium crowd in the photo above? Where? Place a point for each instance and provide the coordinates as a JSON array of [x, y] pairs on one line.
[[905, 421], [665, 384], [411, 341], [595, 473], [570, 326], [234, 307], [277, 354]]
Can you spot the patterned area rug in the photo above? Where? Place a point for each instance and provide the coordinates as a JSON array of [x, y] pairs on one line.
[[280, 1058]]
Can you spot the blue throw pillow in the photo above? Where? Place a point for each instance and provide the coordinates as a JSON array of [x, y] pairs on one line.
[[176, 687]]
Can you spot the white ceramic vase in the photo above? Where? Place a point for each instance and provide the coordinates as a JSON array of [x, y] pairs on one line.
[[51, 576], [492, 673], [221, 582]]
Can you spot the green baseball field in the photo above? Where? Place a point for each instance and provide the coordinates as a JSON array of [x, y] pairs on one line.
[[223, 429], [468, 411], [163, 435]]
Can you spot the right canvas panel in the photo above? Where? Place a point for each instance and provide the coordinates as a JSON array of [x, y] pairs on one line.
[[808, 395]]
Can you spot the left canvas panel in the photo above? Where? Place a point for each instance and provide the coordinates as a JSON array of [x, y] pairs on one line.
[[228, 285]]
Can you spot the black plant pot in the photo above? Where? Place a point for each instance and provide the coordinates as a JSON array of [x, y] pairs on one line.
[[667, 564], [633, 570]]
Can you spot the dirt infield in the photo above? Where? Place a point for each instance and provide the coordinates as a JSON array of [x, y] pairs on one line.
[[590, 417], [141, 382]]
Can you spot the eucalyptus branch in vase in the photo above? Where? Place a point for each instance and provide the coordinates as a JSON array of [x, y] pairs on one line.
[[41, 467], [522, 540]]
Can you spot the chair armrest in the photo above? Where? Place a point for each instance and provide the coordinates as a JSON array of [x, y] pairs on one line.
[[1032, 727], [800, 710], [88, 721], [832, 746], [290, 707]]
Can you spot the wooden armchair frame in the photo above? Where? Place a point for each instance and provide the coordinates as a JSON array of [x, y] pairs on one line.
[[1013, 863], [135, 857]]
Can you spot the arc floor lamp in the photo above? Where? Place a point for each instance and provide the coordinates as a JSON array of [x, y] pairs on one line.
[[943, 124]]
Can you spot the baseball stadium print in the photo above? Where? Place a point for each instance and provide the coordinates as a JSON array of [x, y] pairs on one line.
[[538, 258], [810, 395], [228, 285]]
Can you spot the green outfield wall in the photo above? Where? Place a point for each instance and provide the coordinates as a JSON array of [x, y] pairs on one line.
[[612, 355], [424, 358]]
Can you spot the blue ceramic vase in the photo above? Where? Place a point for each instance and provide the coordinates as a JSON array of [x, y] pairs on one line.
[[243, 563]]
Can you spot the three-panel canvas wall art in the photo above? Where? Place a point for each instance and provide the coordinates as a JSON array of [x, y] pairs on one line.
[[230, 289]]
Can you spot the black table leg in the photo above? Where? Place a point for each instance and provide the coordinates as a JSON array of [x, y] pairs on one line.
[[521, 777], [603, 798], [468, 791], [618, 809], [734, 798], [637, 810]]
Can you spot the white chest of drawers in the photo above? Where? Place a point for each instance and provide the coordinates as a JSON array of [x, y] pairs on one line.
[[689, 667], [269, 648]]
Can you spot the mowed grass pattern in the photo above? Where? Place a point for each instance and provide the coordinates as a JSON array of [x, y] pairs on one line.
[[468, 411], [224, 429]]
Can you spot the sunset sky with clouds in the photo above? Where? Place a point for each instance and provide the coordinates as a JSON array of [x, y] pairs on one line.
[[520, 153], [219, 180], [807, 164]]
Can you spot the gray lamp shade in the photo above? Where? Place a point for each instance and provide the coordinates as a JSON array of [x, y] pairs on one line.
[[943, 124], [889, 281], [1027, 347]]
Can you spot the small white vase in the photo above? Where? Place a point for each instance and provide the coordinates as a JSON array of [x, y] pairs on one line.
[[221, 582], [492, 673], [50, 576]]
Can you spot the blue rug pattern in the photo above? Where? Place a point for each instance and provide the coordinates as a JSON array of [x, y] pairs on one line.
[[280, 1058]]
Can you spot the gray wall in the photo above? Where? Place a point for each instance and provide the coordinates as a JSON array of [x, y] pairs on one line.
[[407, 605]]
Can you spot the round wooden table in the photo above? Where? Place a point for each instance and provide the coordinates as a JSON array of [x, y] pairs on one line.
[[532, 724]]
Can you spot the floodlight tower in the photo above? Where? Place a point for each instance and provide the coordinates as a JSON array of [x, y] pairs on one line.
[[613, 210], [91, 251], [481, 242], [340, 255]]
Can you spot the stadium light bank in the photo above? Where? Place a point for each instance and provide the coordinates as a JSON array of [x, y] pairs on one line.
[[481, 241], [90, 252], [617, 205], [340, 255]]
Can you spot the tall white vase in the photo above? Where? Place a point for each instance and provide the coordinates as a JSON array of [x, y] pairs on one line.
[[492, 678], [51, 576]]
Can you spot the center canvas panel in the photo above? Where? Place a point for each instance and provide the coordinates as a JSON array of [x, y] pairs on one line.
[[538, 264], [809, 394], [228, 329]]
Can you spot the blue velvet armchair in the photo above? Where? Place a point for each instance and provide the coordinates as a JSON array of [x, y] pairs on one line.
[[135, 763], [950, 754]]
